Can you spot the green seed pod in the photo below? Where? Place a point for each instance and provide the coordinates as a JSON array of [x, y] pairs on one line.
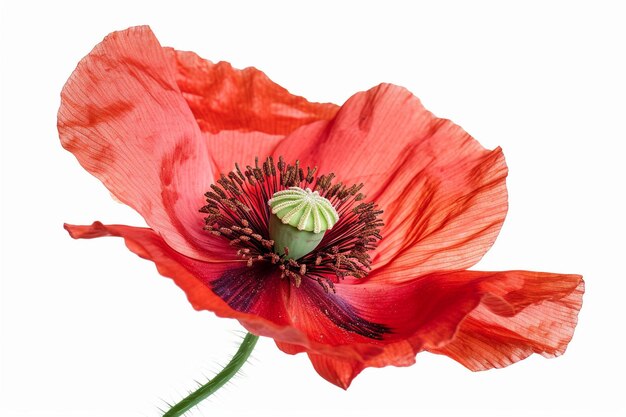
[[299, 220]]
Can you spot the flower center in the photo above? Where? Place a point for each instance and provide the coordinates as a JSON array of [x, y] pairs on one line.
[[305, 225], [299, 221]]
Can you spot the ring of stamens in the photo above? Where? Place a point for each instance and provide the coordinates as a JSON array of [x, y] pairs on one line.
[[237, 210]]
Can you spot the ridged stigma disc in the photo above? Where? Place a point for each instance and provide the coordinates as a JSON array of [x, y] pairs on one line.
[[304, 209]]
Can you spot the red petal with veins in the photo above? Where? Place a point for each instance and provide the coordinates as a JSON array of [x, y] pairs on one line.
[[260, 300], [149, 245], [123, 117], [367, 138], [224, 98], [447, 213], [242, 113], [195, 278], [443, 194], [537, 317], [481, 319], [341, 371]]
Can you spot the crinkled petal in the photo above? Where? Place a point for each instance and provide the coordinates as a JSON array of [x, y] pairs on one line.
[[224, 98], [368, 136], [227, 288], [264, 303], [242, 113], [338, 371], [481, 319], [329, 319], [183, 270], [538, 317], [444, 196], [448, 216], [341, 371], [124, 118], [540, 307]]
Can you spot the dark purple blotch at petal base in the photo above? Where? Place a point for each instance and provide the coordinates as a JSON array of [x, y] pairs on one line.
[[342, 313], [242, 288]]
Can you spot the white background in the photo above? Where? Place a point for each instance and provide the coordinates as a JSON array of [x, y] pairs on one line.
[[89, 329]]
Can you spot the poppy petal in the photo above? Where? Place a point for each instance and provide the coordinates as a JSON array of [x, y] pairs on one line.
[[367, 138], [329, 318], [264, 303], [149, 245], [346, 327], [480, 319], [538, 317], [448, 217], [242, 113], [341, 370], [221, 287], [124, 118], [443, 195], [338, 371], [224, 98], [256, 298]]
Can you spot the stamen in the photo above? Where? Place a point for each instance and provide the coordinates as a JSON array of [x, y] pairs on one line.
[[237, 210]]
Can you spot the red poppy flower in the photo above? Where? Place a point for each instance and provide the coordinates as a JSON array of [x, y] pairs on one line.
[[158, 126]]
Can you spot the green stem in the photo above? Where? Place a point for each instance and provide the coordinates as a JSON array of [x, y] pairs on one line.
[[218, 381]]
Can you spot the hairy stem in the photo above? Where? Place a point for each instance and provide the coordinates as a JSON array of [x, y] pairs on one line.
[[218, 381]]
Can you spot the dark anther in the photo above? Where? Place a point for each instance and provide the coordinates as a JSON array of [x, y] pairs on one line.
[[218, 190]]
